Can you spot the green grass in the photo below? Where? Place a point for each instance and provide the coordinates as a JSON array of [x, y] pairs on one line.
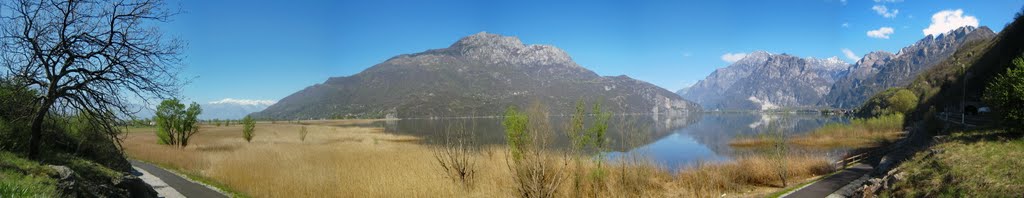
[[972, 164], [23, 178]]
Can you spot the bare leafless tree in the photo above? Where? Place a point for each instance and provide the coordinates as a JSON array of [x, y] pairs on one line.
[[92, 56], [457, 154]]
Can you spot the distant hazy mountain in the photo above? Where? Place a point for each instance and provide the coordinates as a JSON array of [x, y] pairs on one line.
[[229, 108], [481, 74], [682, 91], [881, 70], [762, 81]]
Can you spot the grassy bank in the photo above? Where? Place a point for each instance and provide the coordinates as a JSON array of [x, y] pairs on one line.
[[365, 162], [860, 132], [975, 163], [20, 177]]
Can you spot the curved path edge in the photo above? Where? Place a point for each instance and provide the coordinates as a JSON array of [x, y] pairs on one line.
[[178, 185]]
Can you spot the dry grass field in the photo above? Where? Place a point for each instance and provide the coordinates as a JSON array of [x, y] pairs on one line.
[[859, 133], [345, 161]]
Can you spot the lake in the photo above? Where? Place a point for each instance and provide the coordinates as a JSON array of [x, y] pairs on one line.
[[670, 141]]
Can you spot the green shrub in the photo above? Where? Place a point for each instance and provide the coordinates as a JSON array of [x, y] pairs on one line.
[[248, 128], [302, 133], [890, 122], [1006, 94], [590, 139], [535, 172], [17, 103], [891, 101], [515, 131]]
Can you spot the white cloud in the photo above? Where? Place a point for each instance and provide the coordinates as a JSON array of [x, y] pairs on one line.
[[885, 12], [244, 102], [846, 24], [733, 57], [881, 33], [843, 2], [888, 1], [946, 20], [850, 55], [687, 54]]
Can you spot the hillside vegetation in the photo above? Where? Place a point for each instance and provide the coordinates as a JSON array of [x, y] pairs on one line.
[[977, 163], [78, 160], [978, 160]]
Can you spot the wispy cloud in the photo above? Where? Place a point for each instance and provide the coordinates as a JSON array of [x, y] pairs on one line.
[[888, 1], [733, 57], [881, 33], [244, 102], [850, 55], [885, 11], [946, 20], [846, 24]]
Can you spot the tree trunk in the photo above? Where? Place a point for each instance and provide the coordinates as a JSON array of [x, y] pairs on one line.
[[37, 129]]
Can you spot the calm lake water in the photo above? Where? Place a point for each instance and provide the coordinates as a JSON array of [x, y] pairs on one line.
[[672, 142]]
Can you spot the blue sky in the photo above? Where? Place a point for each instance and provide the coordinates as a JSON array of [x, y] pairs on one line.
[[270, 49]]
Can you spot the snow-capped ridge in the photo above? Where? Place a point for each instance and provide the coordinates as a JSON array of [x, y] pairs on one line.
[[244, 102]]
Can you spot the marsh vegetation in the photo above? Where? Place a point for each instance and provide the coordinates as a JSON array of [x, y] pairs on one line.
[[355, 158]]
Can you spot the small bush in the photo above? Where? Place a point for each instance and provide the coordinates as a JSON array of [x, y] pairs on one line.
[[302, 133], [591, 139], [456, 155], [248, 128], [891, 101], [515, 130], [1006, 94], [536, 172], [891, 122]]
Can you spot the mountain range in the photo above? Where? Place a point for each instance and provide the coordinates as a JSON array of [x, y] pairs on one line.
[[762, 81], [230, 108], [481, 74]]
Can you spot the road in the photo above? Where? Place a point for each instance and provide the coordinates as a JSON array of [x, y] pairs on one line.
[[179, 186]]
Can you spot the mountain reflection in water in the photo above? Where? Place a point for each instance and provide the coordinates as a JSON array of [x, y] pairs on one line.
[[677, 141]]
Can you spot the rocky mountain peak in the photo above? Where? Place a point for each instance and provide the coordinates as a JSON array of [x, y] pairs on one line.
[[484, 39], [958, 32], [873, 58], [948, 40], [757, 55], [498, 49]]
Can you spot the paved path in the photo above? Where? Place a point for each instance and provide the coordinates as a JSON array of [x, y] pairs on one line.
[[824, 187], [178, 186]]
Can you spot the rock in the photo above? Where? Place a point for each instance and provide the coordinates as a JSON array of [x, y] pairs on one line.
[[135, 186], [62, 172], [886, 182], [66, 181]]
